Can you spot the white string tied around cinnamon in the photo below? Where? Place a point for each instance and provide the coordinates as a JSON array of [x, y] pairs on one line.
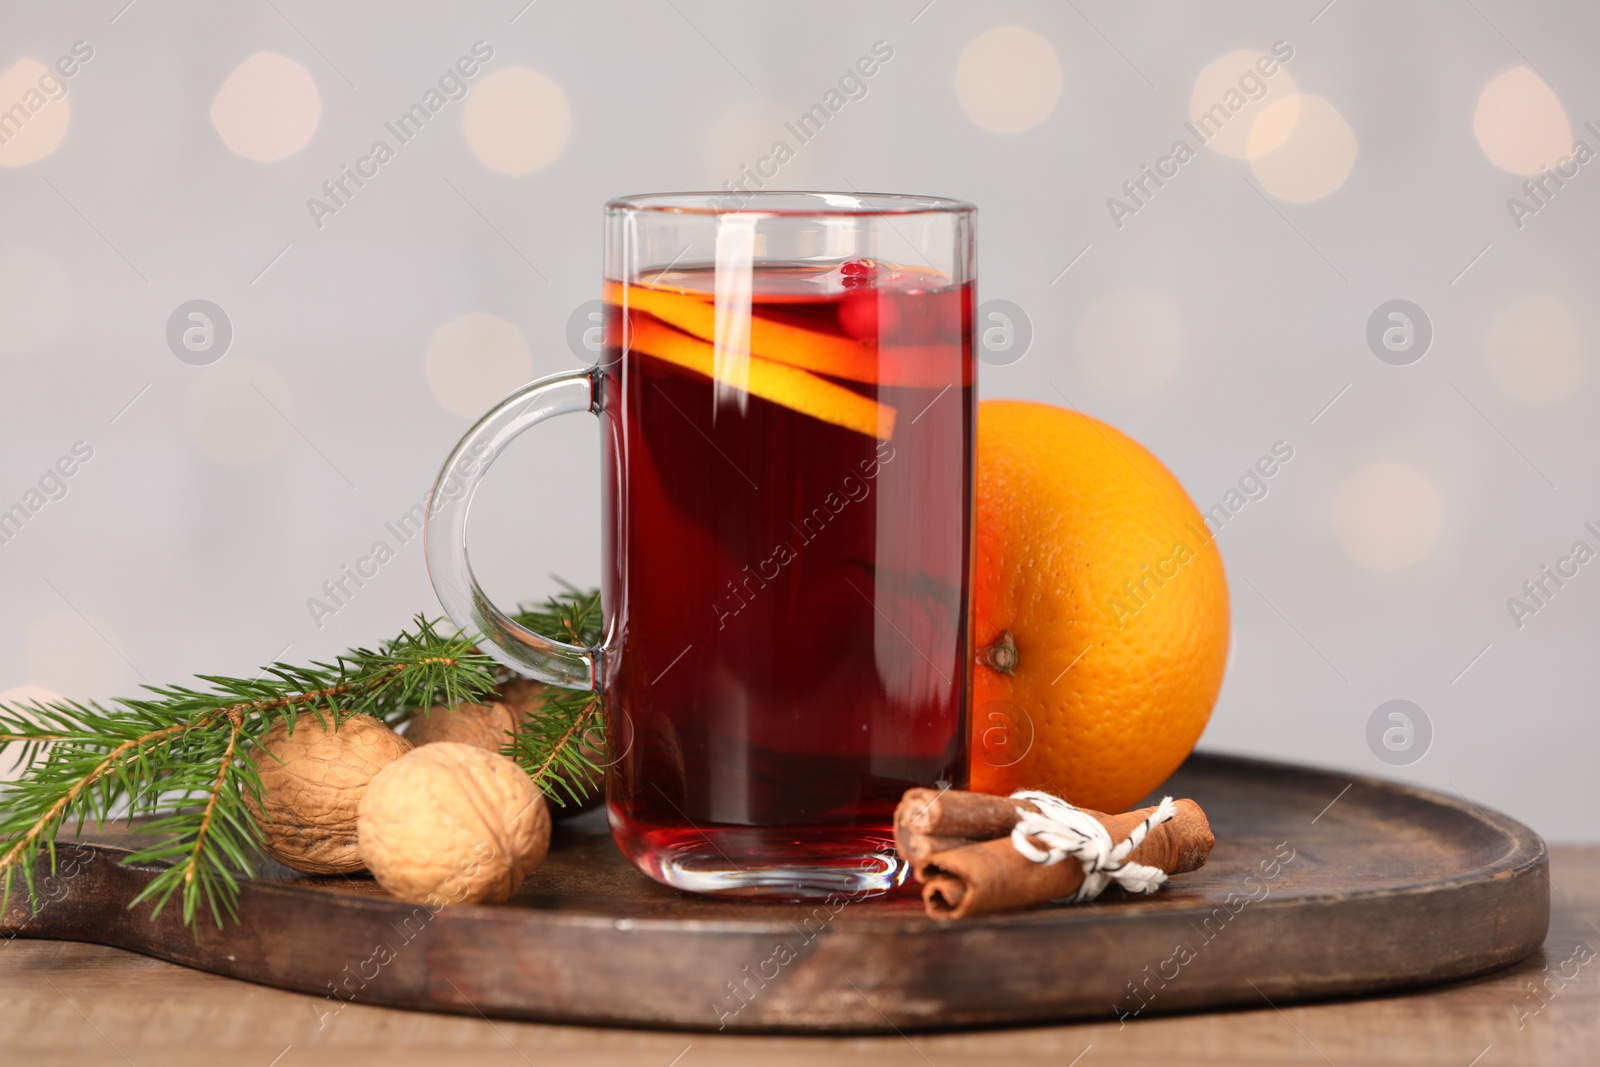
[[1068, 831]]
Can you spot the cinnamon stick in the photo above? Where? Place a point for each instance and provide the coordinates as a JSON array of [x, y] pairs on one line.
[[914, 847], [930, 821], [958, 813], [991, 876]]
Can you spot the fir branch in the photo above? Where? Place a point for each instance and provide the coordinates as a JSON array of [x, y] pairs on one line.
[[557, 745], [53, 814], [572, 615], [161, 755], [565, 741], [180, 756], [236, 721]]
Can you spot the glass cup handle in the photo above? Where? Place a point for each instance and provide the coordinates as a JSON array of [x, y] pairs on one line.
[[445, 536]]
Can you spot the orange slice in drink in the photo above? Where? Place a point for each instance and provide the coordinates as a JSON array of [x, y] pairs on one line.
[[841, 357], [769, 379], [820, 353]]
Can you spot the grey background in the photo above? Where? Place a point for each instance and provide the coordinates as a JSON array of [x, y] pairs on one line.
[[161, 561]]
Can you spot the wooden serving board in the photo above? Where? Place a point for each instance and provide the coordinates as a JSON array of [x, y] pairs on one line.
[[1320, 885]]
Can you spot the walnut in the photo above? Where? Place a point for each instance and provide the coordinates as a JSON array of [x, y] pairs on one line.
[[484, 726], [452, 824], [312, 781], [524, 696]]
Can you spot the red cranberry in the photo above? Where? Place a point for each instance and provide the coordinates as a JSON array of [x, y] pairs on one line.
[[868, 313]]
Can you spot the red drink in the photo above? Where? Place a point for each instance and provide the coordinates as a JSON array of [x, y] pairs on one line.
[[787, 435], [789, 525]]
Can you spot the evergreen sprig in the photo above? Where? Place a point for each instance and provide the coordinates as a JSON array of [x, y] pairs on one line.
[[559, 745], [179, 757]]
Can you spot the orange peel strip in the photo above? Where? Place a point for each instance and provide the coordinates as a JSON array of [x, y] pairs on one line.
[[821, 353], [769, 379]]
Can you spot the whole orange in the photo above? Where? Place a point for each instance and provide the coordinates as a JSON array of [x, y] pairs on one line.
[[1100, 611]]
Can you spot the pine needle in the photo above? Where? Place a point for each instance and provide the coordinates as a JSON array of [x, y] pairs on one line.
[[178, 759], [559, 745]]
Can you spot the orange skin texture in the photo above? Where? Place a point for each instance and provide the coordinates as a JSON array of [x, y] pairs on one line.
[[1106, 700]]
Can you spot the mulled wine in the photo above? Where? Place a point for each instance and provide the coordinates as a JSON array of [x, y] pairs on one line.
[[788, 487]]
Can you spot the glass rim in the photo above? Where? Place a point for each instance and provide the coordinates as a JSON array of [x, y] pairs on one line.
[[788, 203]]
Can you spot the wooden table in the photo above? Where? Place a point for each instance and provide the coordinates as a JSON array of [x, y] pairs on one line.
[[67, 1003]]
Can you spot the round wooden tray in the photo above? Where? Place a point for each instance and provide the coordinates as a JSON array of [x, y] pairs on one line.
[[1320, 885]]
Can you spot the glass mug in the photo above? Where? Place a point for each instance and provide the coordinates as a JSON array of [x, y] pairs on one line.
[[787, 417]]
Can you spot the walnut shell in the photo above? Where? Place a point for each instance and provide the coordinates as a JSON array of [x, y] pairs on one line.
[[453, 824], [484, 726], [525, 697], [312, 790]]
